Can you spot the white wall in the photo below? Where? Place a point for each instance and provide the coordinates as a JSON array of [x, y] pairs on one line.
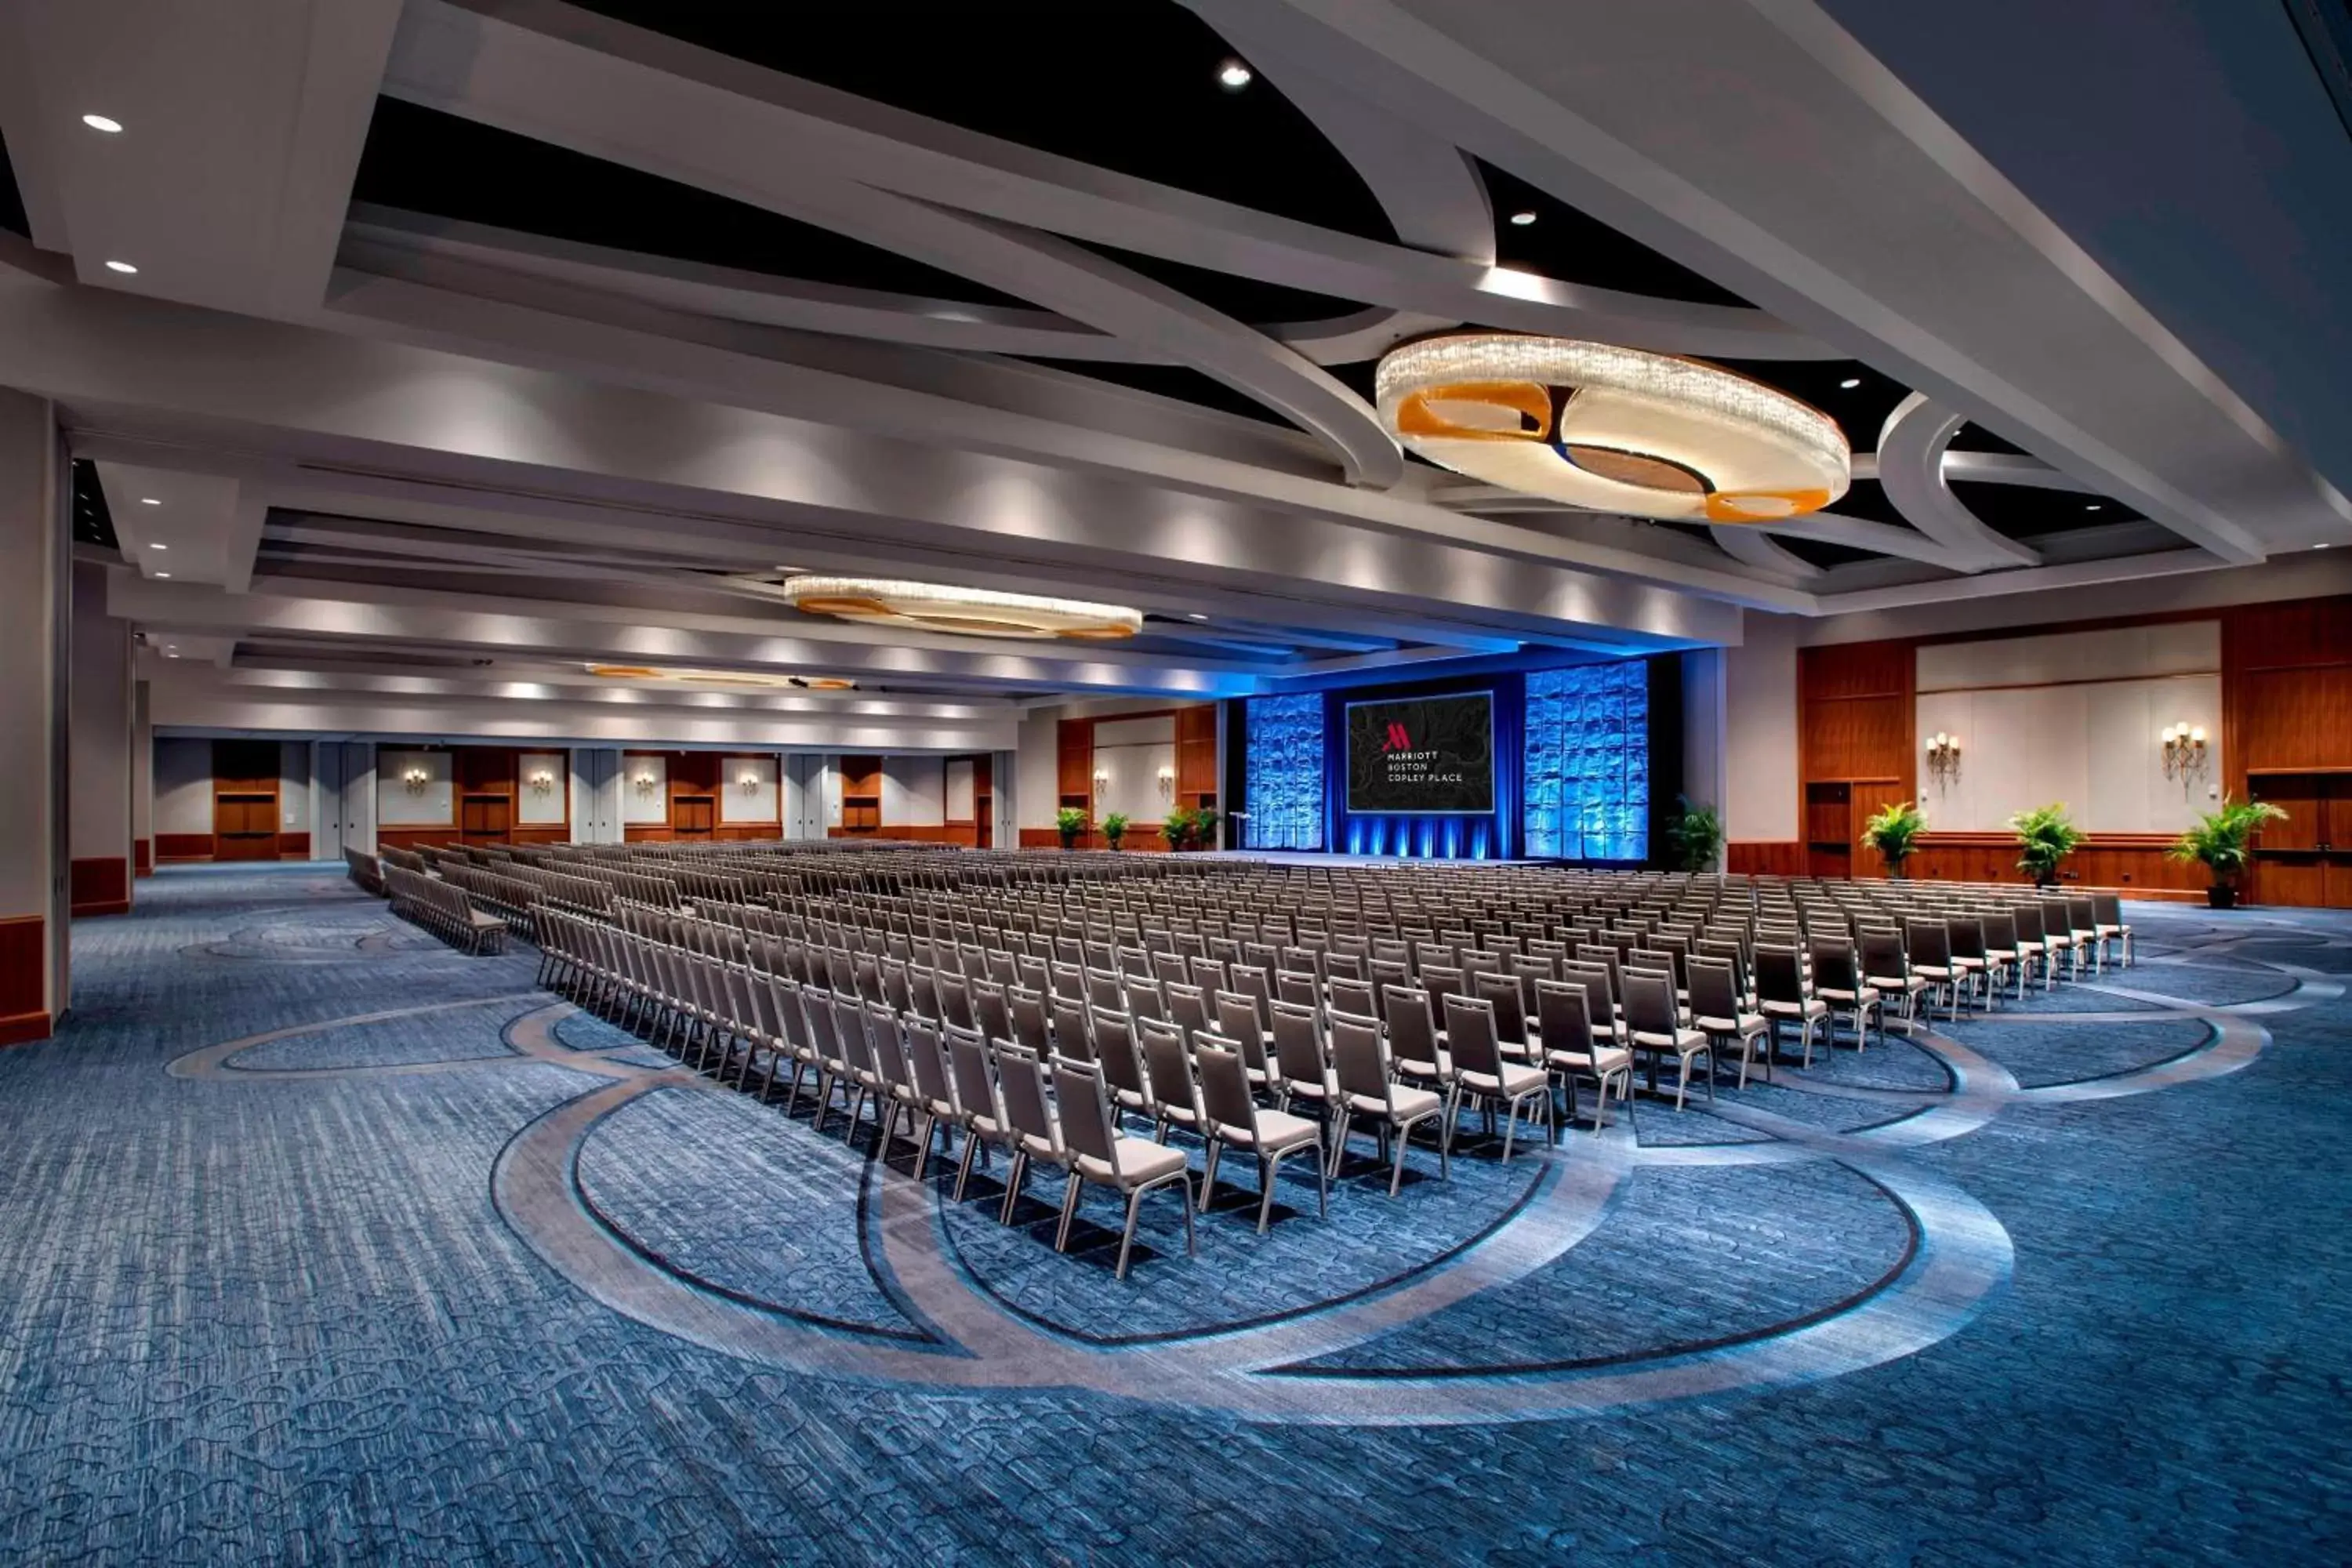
[[2075, 718], [963, 793], [533, 807], [184, 786], [399, 805], [755, 806], [143, 765], [1128, 755], [1703, 727], [645, 790], [100, 803], [1760, 732], [914, 792]]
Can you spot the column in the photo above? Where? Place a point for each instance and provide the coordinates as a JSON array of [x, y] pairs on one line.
[[99, 799], [33, 618], [1706, 777], [142, 780]]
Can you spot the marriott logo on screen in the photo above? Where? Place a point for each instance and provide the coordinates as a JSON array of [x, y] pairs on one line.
[[1397, 739]]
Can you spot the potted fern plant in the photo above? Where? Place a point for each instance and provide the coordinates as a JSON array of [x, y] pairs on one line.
[[2045, 836], [1115, 828], [2224, 841], [1070, 822], [1204, 826], [1696, 836], [1895, 832], [1176, 827]]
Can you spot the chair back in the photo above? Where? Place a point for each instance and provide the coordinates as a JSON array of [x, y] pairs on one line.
[[2083, 914], [2107, 908], [1188, 1009], [1833, 967], [1085, 1112], [1028, 1014], [1649, 1004], [1562, 1012], [1412, 1029], [1353, 996], [1883, 956], [890, 1046], [1295, 986], [1470, 1031], [2000, 932], [2029, 923], [1169, 1065], [1713, 989], [1298, 1046], [1929, 942], [1224, 1089], [1502, 993], [928, 1059], [1115, 1048], [1237, 1016], [1359, 1060], [849, 1028], [1143, 1000], [1022, 1077], [975, 1075]]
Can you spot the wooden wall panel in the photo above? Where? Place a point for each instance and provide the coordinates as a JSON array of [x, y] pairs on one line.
[[1196, 751], [24, 963], [2295, 718], [173, 849], [1073, 765], [98, 885], [1765, 857]]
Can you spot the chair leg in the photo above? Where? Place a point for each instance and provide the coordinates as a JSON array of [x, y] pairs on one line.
[[1396, 1175], [1265, 1192], [1013, 1187], [963, 1169], [1069, 1211], [1209, 1174], [1510, 1128], [1127, 1236], [1322, 1190]]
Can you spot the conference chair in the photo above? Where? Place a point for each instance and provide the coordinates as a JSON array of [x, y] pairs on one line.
[[1233, 1120], [1100, 1153], [1367, 1090]]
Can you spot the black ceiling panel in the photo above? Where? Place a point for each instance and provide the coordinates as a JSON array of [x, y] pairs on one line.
[[92, 522], [1132, 86], [12, 205], [1564, 243], [1976, 438], [1859, 410], [2024, 511], [1819, 552], [429, 162], [1866, 499]]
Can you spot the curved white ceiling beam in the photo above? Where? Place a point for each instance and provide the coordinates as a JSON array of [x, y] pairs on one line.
[[388, 242], [614, 108], [1755, 547], [1880, 538], [1911, 470], [2008, 468], [446, 51]]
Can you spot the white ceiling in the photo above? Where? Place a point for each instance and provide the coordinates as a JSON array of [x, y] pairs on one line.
[[424, 470]]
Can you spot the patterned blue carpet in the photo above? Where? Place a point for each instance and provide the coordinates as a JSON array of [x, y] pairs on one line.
[[325, 1243]]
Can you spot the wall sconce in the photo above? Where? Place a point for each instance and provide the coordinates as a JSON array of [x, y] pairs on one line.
[[415, 778], [646, 784], [1102, 779], [541, 782], [748, 783], [1167, 782], [2184, 751], [1943, 757]]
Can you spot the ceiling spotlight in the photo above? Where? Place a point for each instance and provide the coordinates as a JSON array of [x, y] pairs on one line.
[[1613, 429], [2092, 507], [977, 612], [159, 547], [1523, 218], [122, 267], [101, 123], [149, 500], [162, 573], [1849, 383], [1234, 76], [171, 654], [2319, 547], [1199, 617]]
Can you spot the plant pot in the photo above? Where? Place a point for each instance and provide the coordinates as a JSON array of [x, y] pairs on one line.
[[1069, 841], [2219, 897], [1896, 872]]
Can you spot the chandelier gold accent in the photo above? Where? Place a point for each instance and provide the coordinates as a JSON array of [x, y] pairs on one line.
[[1613, 429], [973, 612]]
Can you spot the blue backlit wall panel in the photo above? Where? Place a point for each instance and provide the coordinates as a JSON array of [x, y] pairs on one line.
[[1587, 768], [1491, 835], [1285, 794]]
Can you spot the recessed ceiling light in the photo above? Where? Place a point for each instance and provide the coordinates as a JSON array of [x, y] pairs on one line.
[[120, 267], [1194, 617], [1849, 383], [162, 573], [2319, 547], [1234, 76], [2093, 506], [101, 123], [149, 500], [169, 655], [1523, 218], [159, 547]]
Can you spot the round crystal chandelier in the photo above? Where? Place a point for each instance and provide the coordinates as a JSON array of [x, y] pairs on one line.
[[1613, 429], [975, 612], [645, 675]]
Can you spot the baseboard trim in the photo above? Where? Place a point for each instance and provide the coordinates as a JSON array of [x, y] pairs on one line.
[[25, 1028]]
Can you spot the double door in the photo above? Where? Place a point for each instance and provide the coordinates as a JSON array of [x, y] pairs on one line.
[[2307, 859]]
